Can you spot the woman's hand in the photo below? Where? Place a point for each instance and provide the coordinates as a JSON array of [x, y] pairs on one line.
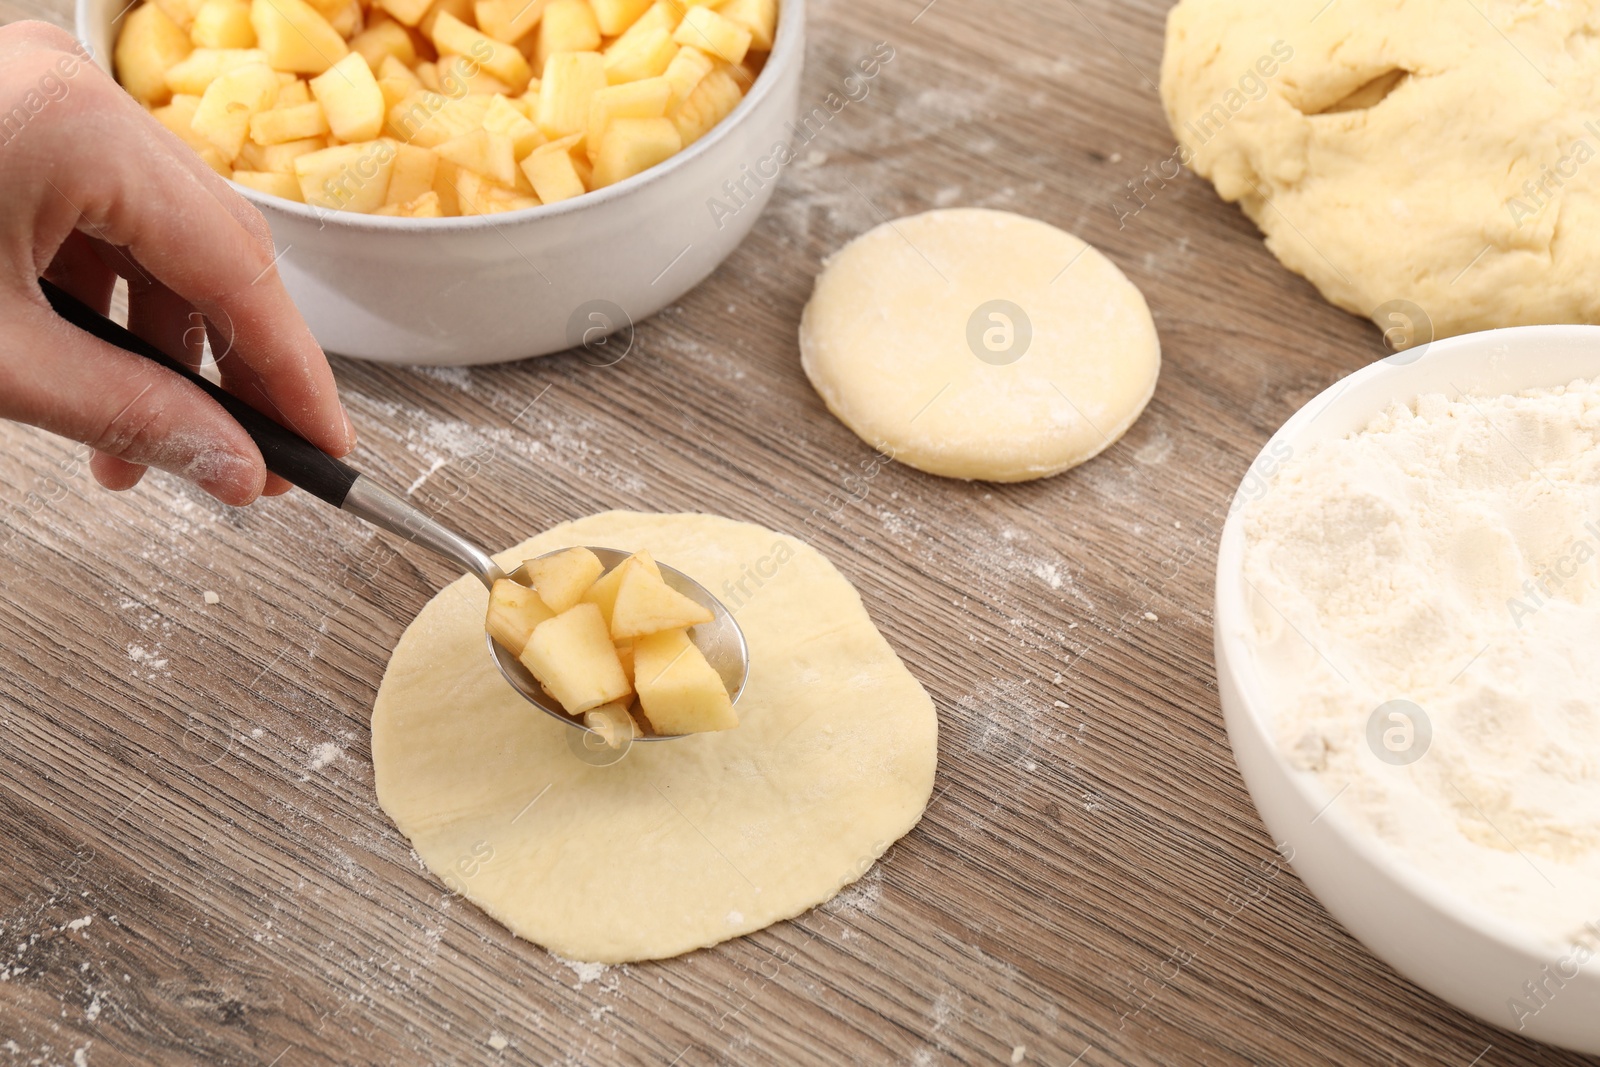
[[92, 187]]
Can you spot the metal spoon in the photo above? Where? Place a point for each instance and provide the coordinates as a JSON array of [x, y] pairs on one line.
[[298, 461]]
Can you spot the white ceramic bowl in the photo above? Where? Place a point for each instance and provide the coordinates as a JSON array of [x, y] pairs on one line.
[[525, 283], [1474, 960]]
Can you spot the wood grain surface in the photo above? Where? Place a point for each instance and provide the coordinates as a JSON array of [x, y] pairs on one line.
[[197, 871]]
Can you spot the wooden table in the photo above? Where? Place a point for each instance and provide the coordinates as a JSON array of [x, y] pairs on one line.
[[197, 869]]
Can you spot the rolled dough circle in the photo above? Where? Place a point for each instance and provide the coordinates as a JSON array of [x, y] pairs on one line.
[[1433, 172], [683, 843], [979, 344]]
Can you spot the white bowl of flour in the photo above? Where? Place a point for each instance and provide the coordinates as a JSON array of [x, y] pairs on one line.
[[1408, 656]]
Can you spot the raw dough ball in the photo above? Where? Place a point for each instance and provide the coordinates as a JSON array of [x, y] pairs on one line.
[[1402, 156], [682, 843], [979, 344]]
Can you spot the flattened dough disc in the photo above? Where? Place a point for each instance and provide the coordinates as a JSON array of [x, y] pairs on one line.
[[979, 344], [683, 843]]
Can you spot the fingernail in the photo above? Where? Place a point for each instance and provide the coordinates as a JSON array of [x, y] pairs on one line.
[[349, 429], [231, 478]]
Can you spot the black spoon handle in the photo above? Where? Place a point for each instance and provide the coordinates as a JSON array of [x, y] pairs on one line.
[[292, 457], [288, 455]]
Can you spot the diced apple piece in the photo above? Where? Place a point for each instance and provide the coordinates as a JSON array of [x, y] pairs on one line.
[[350, 96], [292, 93], [351, 177], [181, 12], [760, 17], [412, 176], [570, 81], [194, 72], [712, 100], [478, 195], [625, 657], [426, 206], [631, 146], [295, 36], [508, 20], [613, 723], [223, 24], [327, 8], [347, 18], [391, 67], [685, 72], [288, 124], [396, 81], [580, 163], [459, 76], [662, 15], [567, 26], [383, 40], [223, 116], [563, 578], [614, 16], [573, 657], [528, 102], [459, 9], [444, 187], [429, 119], [504, 118], [713, 34], [452, 37], [484, 153], [406, 12], [178, 117], [150, 43], [603, 593], [514, 612], [552, 172], [273, 184], [646, 604], [645, 99], [278, 158], [647, 56], [679, 692]]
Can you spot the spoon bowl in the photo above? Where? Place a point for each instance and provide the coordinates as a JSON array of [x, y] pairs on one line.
[[720, 641]]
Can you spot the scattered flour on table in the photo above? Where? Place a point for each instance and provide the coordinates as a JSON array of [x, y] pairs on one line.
[[1048, 573], [863, 896], [543, 430], [586, 972], [455, 377], [146, 656], [1447, 557], [324, 754]]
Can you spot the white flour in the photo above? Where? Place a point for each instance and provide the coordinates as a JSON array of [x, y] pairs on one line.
[[1447, 556]]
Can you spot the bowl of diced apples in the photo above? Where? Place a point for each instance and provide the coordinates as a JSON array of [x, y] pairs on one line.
[[475, 181]]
